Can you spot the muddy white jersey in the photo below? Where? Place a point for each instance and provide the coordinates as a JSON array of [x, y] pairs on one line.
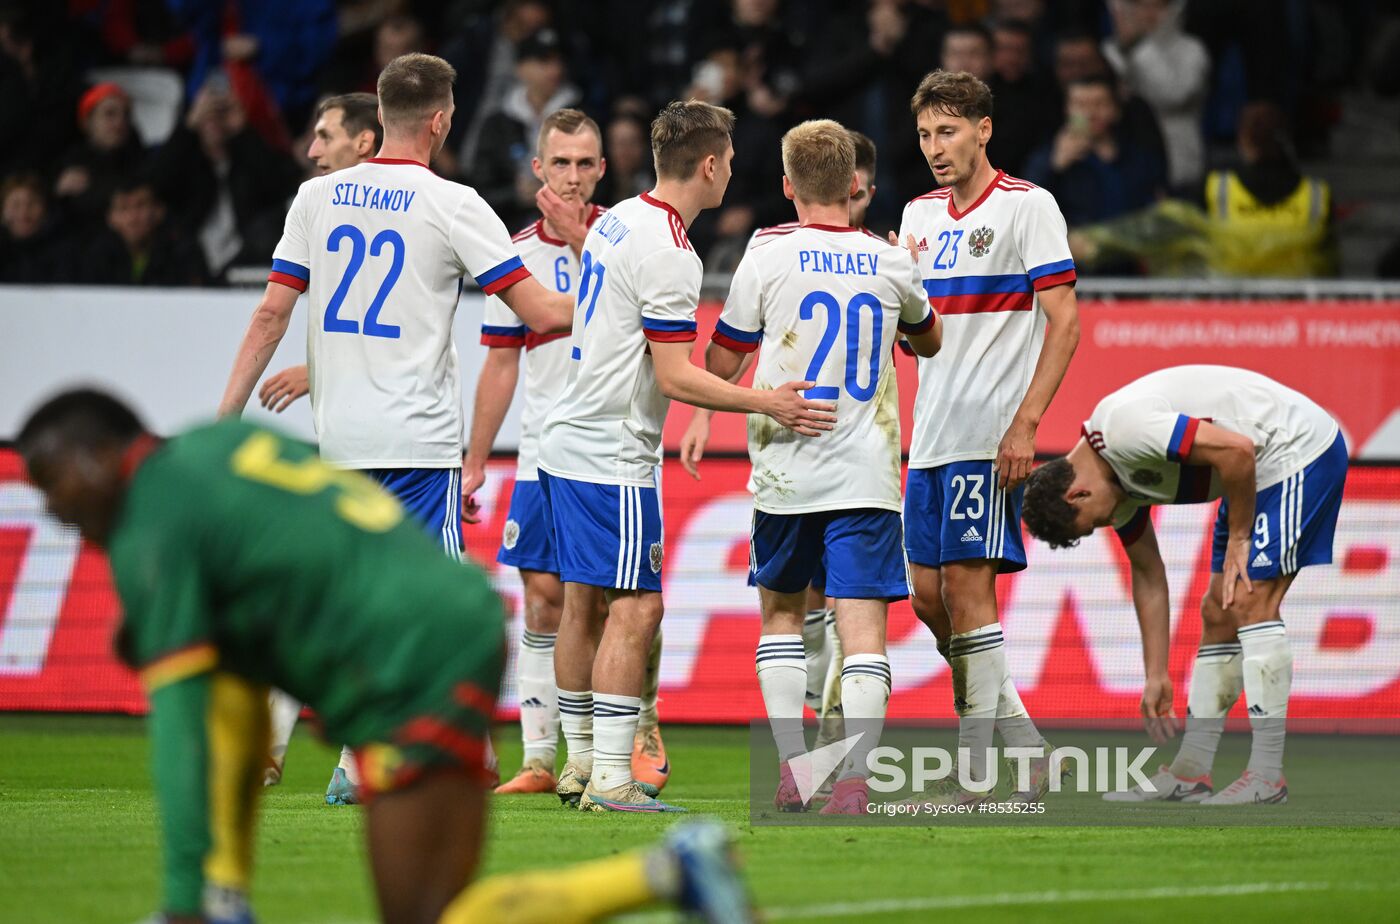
[[982, 269], [824, 304], [381, 248]]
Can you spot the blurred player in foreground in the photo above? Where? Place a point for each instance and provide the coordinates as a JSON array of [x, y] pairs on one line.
[[242, 560], [569, 162], [820, 644], [996, 265], [381, 247], [633, 333], [1278, 462], [833, 501]]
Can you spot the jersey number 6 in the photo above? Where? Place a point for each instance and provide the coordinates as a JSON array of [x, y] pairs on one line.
[[334, 323]]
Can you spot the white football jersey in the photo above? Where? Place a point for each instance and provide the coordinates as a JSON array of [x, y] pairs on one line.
[[1145, 431], [639, 281], [824, 302], [553, 263], [982, 269], [382, 248]]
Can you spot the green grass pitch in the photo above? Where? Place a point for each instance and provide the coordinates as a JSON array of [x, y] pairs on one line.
[[78, 844]]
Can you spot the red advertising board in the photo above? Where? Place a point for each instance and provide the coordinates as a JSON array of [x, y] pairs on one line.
[[1072, 637], [1347, 358]]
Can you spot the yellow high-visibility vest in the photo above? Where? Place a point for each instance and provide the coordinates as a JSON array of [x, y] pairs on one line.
[[1252, 238]]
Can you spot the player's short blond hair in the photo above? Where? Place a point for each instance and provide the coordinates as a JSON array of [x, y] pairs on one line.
[[567, 122], [953, 93], [413, 87], [819, 160], [685, 133]]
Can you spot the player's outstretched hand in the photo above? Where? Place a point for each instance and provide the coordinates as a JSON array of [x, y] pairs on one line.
[[1015, 455], [910, 245], [280, 390], [1236, 569], [788, 407], [696, 435], [1157, 712]]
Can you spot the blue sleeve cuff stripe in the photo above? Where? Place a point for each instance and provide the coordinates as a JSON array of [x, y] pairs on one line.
[[1050, 269], [663, 325], [733, 333], [504, 269], [1178, 433], [976, 285], [291, 269], [493, 331]]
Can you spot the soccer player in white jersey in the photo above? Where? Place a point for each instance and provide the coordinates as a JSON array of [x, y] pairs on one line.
[[381, 248], [633, 331], [996, 265], [824, 299], [1278, 462]]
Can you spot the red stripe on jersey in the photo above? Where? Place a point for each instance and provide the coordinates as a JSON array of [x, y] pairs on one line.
[[475, 698], [502, 340], [526, 232], [729, 343], [940, 191], [533, 339], [284, 279], [669, 336], [983, 303], [957, 215], [777, 230], [870, 233], [678, 229], [1057, 279], [506, 281]]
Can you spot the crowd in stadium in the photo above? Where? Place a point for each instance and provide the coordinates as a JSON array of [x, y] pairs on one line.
[[159, 142]]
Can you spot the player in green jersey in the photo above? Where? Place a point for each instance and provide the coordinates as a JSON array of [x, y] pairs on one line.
[[242, 560]]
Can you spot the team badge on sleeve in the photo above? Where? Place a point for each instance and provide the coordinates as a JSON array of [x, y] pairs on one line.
[[656, 555], [980, 241], [511, 535]]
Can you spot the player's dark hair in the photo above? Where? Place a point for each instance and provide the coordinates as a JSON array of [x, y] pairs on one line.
[[865, 152], [956, 94], [684, 133], [359, 112], [970, 28], [414, 86], [1045, 511], [1096, 80], [81, 418]]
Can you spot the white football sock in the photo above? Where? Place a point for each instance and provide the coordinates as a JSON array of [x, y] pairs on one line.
[[284, 711], [1268, 678], [1013, 721], [1216, 681], [978, 659], [782, 677], [651, 686], [614, 727], [865, 693], [576, 718], [347, 763], [539, 698], [831, 687], [818, 657]]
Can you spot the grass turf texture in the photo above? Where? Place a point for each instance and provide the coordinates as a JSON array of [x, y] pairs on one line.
[[78, 843]]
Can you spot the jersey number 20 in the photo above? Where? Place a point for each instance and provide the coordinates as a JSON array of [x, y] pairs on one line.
[[854, 309], [334, 323]]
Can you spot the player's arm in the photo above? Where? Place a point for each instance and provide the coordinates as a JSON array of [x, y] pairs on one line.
[[495, 389], [697, 433], [265, 331], [484, 249], [682, 380], [544, 311], [1232, 455], [1153, 605], [1017, 449]]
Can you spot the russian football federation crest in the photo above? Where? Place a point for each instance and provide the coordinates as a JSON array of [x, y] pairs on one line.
[[1146, 477], [511, 535], [980, 241], [656, 554]]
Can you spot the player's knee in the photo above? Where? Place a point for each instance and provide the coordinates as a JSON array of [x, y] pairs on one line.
[[542, 611], [1213, 615]]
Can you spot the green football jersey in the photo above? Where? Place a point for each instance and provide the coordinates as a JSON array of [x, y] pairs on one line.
[[239, 547]]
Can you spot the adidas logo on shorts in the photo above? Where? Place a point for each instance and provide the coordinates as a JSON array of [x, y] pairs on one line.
[[972, 535], [1261, 560]]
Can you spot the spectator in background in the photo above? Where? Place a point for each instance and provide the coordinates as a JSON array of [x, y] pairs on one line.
[[1027, 107], [141, 33], [229, 186], [1093, 170], [347, 132], [138, 247], [32, 245], [769, 61], [108, 153], [358, 60], [1156, 60], [968, 47], [1077, 56], [629, 160], [501, 167], [37, 94]]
